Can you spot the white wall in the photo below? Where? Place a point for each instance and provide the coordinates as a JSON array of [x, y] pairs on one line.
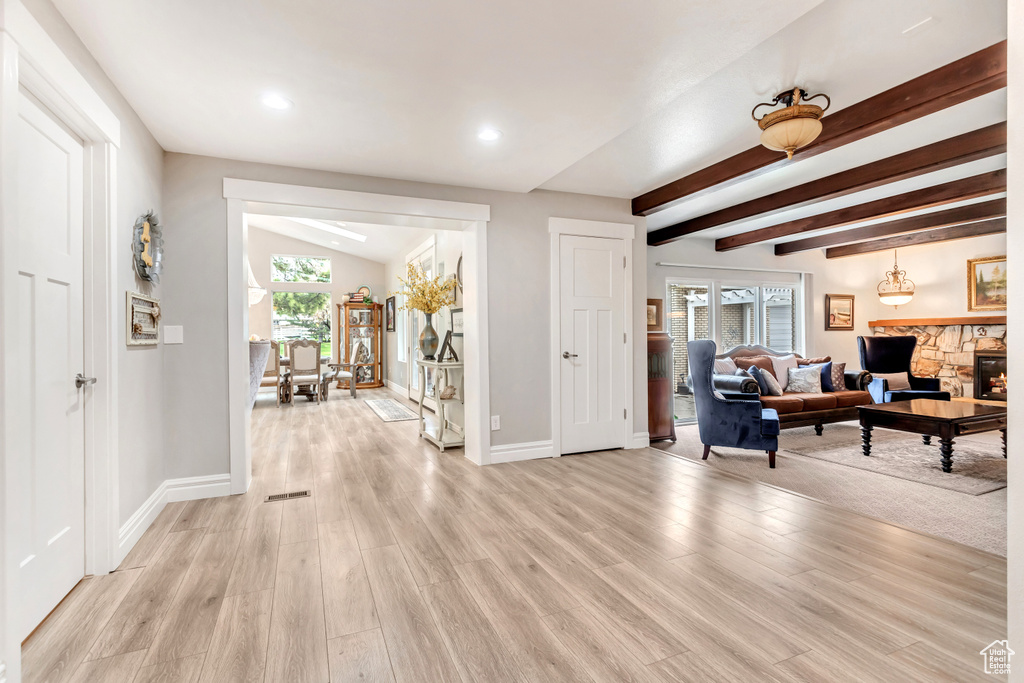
[[938, 270], [139, 185], [518, 290], [348, 273]]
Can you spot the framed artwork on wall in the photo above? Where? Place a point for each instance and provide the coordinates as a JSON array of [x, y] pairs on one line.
[[389, 314], [986, 284], [655, 315], [456, 322], [839, 311]]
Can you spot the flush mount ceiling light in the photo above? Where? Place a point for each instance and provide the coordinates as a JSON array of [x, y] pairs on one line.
[[787, 130], [331, 228], [489, 134], [273, 100], [896, 289]]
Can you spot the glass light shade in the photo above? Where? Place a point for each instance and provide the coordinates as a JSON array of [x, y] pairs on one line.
[[895, 298], [790, 135], [256, 293]]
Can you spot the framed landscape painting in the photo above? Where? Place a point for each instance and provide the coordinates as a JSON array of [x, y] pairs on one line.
[[655, 316], [986, 284], [838, 311]]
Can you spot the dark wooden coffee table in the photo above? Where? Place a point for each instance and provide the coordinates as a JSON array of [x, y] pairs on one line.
[[944, 419]]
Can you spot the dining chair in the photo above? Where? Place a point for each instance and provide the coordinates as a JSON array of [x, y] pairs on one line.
[[272, 375], [305, 368]]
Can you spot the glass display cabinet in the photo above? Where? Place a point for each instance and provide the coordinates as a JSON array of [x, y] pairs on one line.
[[359, 343]]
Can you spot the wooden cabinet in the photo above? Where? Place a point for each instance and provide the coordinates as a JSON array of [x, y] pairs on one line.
[[359, 342], [661, 422]]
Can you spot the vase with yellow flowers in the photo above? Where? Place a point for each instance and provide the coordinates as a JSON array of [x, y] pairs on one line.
[[429, 295]]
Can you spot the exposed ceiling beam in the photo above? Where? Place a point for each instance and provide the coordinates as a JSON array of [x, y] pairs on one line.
[[995, 208], [937, 195], [977, 144], [962, 80], [957, 232]]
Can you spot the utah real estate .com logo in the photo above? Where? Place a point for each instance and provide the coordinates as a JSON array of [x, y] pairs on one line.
[[997, 657]]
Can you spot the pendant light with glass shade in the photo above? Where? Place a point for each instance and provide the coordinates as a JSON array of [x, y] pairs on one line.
[[798, 125], [256, 293], [896, 289]]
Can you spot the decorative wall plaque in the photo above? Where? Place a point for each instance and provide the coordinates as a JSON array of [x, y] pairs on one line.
[[143, 317]]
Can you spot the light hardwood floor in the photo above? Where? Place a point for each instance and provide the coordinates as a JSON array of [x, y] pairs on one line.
[[411, 565]]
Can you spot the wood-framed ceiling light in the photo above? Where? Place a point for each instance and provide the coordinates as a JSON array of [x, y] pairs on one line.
[[896, 289], [787, 130]]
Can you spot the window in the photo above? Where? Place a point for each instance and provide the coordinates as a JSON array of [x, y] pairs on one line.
[[302, 315], [300, 269]]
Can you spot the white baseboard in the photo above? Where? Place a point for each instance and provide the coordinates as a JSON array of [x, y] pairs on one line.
[[396, 387], [169, 491], [641, 440], [514, 452]]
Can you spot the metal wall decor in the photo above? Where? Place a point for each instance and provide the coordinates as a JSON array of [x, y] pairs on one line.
[[148, 247], [143, 320]]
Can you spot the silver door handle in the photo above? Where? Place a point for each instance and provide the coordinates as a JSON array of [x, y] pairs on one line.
[[81, 380], [566, 354]]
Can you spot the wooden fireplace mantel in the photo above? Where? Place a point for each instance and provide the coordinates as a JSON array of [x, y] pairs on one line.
[[919, 322]]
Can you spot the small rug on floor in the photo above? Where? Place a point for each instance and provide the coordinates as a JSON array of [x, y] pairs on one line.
[[390, 410], [977, 467]]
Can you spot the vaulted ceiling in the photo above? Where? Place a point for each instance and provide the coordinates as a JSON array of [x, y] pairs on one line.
[[604, 97]]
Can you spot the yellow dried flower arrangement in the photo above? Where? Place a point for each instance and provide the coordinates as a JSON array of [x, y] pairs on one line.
[[424, 294]]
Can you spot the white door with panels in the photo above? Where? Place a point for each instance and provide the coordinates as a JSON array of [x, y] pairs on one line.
[[592, 343], [49, 433]]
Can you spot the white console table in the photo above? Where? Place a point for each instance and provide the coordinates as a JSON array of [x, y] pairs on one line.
[[435, 428]]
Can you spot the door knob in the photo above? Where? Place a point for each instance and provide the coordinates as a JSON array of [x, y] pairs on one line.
[[566, 354], [81, 380]]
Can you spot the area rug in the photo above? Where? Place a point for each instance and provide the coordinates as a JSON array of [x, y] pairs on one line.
[[390, 410], [977, 467]]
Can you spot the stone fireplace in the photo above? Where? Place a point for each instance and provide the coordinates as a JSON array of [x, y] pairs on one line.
[[948, 351]]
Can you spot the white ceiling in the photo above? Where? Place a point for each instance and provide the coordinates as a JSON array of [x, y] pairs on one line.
[[383, 242], [606, 97], [400, 89]]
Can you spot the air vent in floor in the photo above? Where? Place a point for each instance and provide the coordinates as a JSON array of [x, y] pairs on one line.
[[286, 496]]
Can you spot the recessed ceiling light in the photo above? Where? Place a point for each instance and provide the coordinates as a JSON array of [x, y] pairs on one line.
[[331, 228], [273, 100], [489, 134]]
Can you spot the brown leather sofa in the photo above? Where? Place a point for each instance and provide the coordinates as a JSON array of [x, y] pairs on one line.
[[798, 409]]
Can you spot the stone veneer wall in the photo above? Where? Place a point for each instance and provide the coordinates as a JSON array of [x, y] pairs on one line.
[[947, 351]]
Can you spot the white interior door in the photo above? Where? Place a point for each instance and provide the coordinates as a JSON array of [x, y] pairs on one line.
[[592, 343], [49, 433]]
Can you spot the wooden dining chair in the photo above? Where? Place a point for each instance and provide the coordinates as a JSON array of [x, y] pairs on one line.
[[272, 376], [305, 368]]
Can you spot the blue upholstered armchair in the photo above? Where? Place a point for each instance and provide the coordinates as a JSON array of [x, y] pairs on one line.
[[728, 422], [893, 354]]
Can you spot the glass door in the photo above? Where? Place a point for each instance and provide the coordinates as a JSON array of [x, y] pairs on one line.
[[689, 318]]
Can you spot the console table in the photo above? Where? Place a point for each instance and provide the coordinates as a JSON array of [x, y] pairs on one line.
[[925, 416], [435, 428]]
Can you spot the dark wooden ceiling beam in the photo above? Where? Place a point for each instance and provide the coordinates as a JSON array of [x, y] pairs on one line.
[[995, 208], [957, 232], [962, 80], [937, 195], [977, 144]]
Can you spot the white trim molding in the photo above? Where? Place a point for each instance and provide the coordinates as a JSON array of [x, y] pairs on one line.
[[583, 228], [170, 491], [514, 452], [641, 440]]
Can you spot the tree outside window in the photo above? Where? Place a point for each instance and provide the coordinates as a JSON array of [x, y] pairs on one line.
[[299, 269], [302, 315]]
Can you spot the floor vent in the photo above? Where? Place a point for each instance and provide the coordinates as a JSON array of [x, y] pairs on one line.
[[286, 496]]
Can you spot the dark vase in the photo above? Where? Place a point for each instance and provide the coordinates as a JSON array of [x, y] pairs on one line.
[[428, 340]]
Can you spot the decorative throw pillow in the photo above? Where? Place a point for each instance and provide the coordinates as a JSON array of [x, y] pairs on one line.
[[805, 380], [782, 364], [725, 366], [763, 362], [838, 376], [774, 389], [898, 381], [826, 375], [813, 361], [758, 375]]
